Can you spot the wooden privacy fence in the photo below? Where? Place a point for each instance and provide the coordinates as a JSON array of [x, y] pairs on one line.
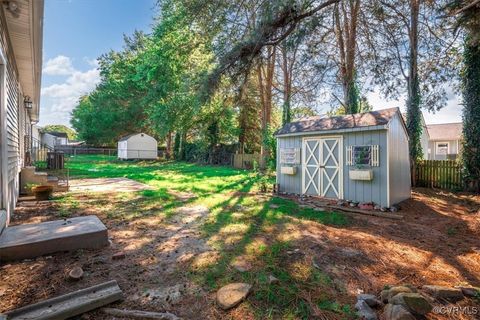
[[245, 160], [444, 174]]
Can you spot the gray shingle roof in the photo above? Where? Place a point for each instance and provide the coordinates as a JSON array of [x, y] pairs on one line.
[[350, 121], [124, 138]]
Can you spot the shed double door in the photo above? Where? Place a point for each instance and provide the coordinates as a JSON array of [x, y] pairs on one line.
[[322, 172]]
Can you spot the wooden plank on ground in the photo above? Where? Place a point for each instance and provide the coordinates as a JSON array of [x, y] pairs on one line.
[[71, 304], [137, 314]]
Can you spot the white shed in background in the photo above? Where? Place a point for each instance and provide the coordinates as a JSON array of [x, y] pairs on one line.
[[137, 146]]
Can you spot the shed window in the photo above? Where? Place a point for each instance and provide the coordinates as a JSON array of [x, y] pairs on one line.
[[363, 155]]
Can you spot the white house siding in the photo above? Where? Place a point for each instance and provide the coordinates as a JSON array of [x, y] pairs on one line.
[[398, 162], [424, 142], [454, 149], [10, 134]]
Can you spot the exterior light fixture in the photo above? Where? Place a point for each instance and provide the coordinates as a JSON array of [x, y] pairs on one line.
[[28, 103]]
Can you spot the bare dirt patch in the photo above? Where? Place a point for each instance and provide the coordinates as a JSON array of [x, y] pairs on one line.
[[436, 243], [149, 258], [107, 185]]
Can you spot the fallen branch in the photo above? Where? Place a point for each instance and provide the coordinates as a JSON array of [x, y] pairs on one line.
[[138, 314]]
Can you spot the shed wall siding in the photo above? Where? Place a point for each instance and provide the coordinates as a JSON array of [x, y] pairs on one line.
[[289, 183], [362, 191], [138, 147], [399, 162], [366, 191]]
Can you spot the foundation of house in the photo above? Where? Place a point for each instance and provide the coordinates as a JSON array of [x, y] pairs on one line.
[[37, 239]]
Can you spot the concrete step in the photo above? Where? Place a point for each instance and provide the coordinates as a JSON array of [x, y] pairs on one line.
[[52, 179], [37, 239]]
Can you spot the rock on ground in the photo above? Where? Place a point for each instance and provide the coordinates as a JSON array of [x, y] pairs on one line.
[[397, 312], [414, 302], [444, 293], [241, 264], [370, 299], [364, 311], [388, 294], [232, 294], [170, 295], [272, 279]]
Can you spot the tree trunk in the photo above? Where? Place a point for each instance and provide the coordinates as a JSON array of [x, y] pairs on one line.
[[287, 69], [414, 114], [265, 83], [471, 114], [168, 151], [346, 34]]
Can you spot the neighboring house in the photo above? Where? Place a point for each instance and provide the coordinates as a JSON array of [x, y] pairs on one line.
[[137, 146], [440, 141], [52, 139], [21, 32], [444, 141], [362, 157]]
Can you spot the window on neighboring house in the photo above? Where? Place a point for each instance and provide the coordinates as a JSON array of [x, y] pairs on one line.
[[442, 148]]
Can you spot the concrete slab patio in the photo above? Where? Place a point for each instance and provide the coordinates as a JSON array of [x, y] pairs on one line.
[[107, 185], [37, 239]]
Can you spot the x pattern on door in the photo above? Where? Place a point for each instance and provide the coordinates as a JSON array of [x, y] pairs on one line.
[[312, 153], [323, 157]]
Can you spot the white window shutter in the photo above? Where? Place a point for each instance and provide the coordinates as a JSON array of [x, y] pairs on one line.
[[375, 157], [349, 156]]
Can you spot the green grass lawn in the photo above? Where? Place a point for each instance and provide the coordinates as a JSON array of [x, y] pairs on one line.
[[240, 222]]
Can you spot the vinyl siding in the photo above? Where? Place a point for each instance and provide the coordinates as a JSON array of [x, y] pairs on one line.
[[13, 140], [454, 149], [424, 143], [12, 134]]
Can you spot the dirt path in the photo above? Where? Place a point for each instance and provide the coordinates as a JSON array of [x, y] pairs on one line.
[[107, 185], [153, 255]]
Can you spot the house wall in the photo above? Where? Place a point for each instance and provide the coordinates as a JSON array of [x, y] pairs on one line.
[[139, 146], [48, 139], [398, 161], [361, 191], [51, 141], [424, 142], [12, 126], [454, 149]]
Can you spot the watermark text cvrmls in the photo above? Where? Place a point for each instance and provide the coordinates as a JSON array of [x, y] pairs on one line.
[[456, 310]]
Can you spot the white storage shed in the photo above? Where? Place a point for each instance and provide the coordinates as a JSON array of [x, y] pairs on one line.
[[137, 146]]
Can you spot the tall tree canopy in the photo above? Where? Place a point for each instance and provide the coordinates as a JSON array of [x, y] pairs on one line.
[[216, 72]]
